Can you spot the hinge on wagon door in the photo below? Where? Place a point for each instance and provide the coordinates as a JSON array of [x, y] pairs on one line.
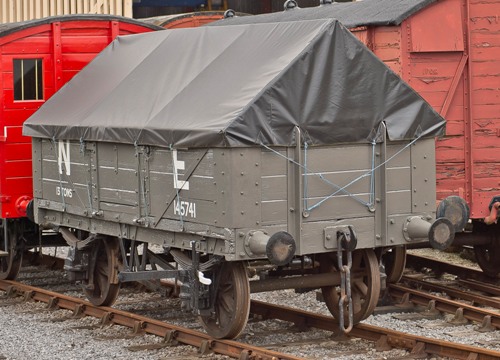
[[4, 199]]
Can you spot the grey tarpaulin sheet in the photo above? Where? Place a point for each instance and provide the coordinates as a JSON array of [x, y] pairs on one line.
[[235, 86], [350, 14]]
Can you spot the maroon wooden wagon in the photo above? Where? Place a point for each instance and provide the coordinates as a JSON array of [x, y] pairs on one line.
[[449, 52]]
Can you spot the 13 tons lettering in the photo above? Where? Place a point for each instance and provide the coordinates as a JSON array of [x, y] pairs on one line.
[[64, 192], [185, 208]]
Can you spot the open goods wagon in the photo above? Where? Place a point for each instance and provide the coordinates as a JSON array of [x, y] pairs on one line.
[[448, 51], [36, 59], [286, 151]]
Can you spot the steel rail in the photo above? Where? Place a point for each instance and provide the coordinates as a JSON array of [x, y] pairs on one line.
[[418, 262], [139, 323], [481, 286], [384, 337], [441, 304], [454, 293]]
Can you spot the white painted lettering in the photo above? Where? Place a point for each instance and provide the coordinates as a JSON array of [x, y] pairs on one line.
[[178, 165], [63, 156]]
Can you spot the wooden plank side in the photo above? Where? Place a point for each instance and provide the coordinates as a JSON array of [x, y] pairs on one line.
[[486, 68], [490, 171], [483, 9], [337, 207], [385, 37], [455, 128], [485, 53], [485, 39], [438, 30], [17, 151], [274, 188], [17, 185], [274, 212], [72, 44], [85, 27], [16, 169], [486, 111], [15, 117], [489, 23], [387, 54], [35, 45], [362, 35], [345, 158], [447, 171], [486, 135], [273, 163], [14, 134], [399, 201], [434, 98], [76, 62], [433, 75], [199, 199], [450, 149], [486, 96]]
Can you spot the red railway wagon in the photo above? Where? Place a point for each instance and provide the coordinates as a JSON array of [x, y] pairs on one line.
[[190, 20], [449, 51], [187, 20], [36, 59]]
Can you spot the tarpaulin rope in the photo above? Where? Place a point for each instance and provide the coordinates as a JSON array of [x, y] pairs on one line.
[[54, 145], [89, 182], [342, 189], [176, 189], [320, 175], [69, 181], [142, 183]]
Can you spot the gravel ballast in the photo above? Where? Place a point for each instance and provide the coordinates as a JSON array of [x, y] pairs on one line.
[[29, 331]]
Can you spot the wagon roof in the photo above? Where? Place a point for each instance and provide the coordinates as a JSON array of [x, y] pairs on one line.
[[163, 20], [9, 28], [350, 14], [235, 86]]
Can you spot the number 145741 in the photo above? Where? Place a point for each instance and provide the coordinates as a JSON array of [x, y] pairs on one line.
[[185, 208]]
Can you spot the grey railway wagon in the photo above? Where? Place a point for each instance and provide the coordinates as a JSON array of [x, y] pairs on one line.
[[283, 150]]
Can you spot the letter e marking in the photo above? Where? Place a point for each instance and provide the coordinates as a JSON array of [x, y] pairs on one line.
[[178, 165]]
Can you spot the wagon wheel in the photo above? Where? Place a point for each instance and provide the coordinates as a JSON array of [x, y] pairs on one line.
[[232, 302], [395, 262], [488, 258], [11, 258], [365, 285], [105, 286]]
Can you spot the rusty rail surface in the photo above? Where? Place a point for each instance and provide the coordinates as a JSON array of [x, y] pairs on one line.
[[418, 262], [468, 312], [455, 293], [170, 333], [385, 338]]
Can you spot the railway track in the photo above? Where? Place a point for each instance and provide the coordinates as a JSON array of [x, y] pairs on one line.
[[419, 262], [384, 338], [140, 324], [471, 296]]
